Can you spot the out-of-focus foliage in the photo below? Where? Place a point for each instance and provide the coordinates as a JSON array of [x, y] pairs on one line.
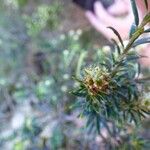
[[45, 15], [36, 68], [36, 77]]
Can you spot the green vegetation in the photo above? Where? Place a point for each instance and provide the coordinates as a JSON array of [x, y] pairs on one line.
[[37, 65]]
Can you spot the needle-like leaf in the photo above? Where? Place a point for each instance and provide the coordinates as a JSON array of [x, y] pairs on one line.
[[135, 12], [118, 35], [146, 4]]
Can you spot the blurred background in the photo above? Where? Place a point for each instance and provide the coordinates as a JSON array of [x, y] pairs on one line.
[[43, 43]]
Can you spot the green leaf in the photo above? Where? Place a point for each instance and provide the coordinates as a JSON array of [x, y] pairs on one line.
[[79, 92], [141, 114], [100, 97], [117, 34], [117, 46], [113, 58], [139, 69], [106, 66], [109, 62], [122, 95], [98, 123], [76, 79], [132, 58], [147, 30], [133, 117], [90, 124], [132, 30], [145, 111], [141, 41], [135, 12]]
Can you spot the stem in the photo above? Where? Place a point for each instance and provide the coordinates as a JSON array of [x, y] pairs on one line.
[[135, 36]]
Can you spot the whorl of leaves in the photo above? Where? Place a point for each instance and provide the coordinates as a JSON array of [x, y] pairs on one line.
[[111, 97]]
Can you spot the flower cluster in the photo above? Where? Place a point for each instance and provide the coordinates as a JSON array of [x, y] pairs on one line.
[[96, 80]]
